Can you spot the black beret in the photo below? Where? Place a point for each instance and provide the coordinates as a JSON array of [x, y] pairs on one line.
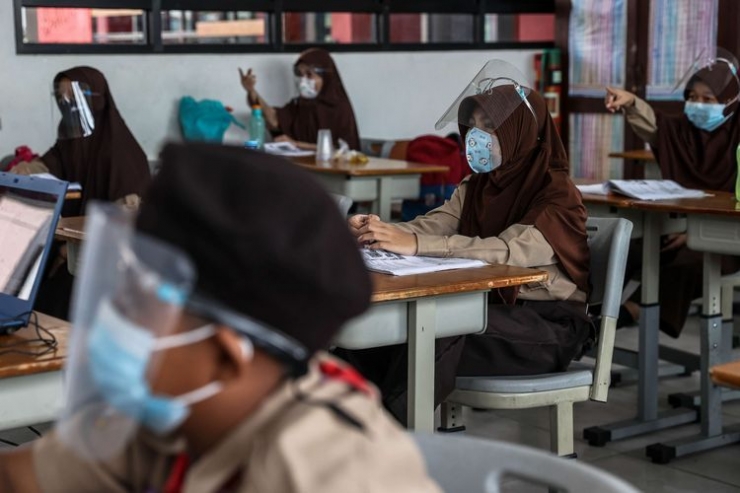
[[267, 241]]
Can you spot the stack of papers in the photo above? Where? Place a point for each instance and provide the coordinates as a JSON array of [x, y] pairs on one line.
[[72, 187], [643, 189], [403, 265], [286, 149]]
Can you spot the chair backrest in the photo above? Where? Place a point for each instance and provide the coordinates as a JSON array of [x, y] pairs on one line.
[[608, 240], [343, 202], [472, 465]]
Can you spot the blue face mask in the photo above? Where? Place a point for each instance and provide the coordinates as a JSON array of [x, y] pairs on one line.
[[482, 150], [705, 116], [119, 352]]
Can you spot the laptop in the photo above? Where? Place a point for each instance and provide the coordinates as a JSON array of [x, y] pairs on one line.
[[29, 211]]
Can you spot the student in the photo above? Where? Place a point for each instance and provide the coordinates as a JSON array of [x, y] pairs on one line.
[[94, 146], [228, 390], [697, 150], [518, 208], [322, 103]]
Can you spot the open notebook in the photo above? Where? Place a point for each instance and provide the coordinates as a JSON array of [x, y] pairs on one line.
[[643, 189], [404, 265]]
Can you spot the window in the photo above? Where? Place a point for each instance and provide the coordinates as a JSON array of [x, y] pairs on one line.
[[201, 27], [329, 27], [179, 26]]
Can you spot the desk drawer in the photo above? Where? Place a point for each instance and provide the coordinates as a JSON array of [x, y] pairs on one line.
[[387, 323], [715, 234]]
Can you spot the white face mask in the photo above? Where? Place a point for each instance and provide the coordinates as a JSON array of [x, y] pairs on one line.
[[307, 88]]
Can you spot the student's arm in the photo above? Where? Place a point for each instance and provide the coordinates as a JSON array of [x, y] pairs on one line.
[[16, 472], [444, 220], [249, 83], [30, 168], [519, 245], [641, 118], [639, 114]]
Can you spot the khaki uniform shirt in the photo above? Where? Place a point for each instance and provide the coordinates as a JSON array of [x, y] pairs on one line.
[[519, 244], [287, 445], [641, 118]]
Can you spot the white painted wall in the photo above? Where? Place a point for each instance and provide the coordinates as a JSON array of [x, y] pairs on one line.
[[395, 95]]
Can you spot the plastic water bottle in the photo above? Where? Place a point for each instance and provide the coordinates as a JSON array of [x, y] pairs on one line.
[[257, 126], [737, 180]]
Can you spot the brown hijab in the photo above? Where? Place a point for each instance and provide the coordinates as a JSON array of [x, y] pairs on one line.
[[696, 158], [109, 164], [532, 186], [302, 118]]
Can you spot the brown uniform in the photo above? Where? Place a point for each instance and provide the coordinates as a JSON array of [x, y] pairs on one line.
[[287, 445], [541, 334]]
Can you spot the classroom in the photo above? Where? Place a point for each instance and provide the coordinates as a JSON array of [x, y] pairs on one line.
[[379, 246]]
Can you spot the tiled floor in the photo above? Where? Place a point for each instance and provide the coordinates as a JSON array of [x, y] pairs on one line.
[[709, 472], [713, 471]]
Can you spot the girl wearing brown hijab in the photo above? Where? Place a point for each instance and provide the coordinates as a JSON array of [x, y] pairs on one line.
[[108, 162], [104, 158], [525, 212], [322, 103], [697, 150]]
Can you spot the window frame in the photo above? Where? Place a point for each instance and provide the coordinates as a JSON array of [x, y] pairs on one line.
[[382, 9]]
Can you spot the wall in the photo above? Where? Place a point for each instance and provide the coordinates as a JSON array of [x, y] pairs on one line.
[[395, 95]]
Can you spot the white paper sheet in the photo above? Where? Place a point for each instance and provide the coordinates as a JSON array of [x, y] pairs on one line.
[[286, 149], [643, 189], [72, 187], [404, 265]]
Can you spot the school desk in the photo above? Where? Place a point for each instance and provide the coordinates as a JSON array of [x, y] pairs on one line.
[[713, 227], [727, 374], [420, 308], [31, 386], [648, 226], [379, 181], [415, 309], [642, 160]]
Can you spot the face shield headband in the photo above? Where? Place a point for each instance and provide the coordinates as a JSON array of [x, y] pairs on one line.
[[282, 347]]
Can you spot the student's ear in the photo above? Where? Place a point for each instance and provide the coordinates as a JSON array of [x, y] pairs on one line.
[[236, 350]]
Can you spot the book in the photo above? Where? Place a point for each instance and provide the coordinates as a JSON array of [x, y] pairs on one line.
[[643, 189], [72, 187], [403, 265], [286, 149]]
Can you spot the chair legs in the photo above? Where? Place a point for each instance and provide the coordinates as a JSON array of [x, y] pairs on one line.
[[561, 429], [452, 418]]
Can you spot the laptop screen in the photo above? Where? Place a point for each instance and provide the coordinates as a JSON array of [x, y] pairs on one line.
[[29, 210]]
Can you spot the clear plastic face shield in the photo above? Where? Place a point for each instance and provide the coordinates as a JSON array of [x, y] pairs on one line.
[[721, 66], [74, 102], [128, 300], [499, 106]]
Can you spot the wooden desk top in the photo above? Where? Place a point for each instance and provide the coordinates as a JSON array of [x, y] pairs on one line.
[[73, 195], [71, 229], [642, 155], [374, 167], [727, 374], [719, 203], [611, 199], [395, 288], [16, 365]]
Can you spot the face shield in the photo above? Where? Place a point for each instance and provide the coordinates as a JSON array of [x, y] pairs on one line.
[[716, 70], [499, 105], [129, 295], [74, 101]]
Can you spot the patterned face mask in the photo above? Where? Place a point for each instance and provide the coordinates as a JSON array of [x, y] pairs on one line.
[[483, 151]]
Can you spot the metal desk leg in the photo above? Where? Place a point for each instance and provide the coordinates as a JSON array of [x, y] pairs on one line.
[[422, 332], [711, 435], [385, 184], [647, 419]]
